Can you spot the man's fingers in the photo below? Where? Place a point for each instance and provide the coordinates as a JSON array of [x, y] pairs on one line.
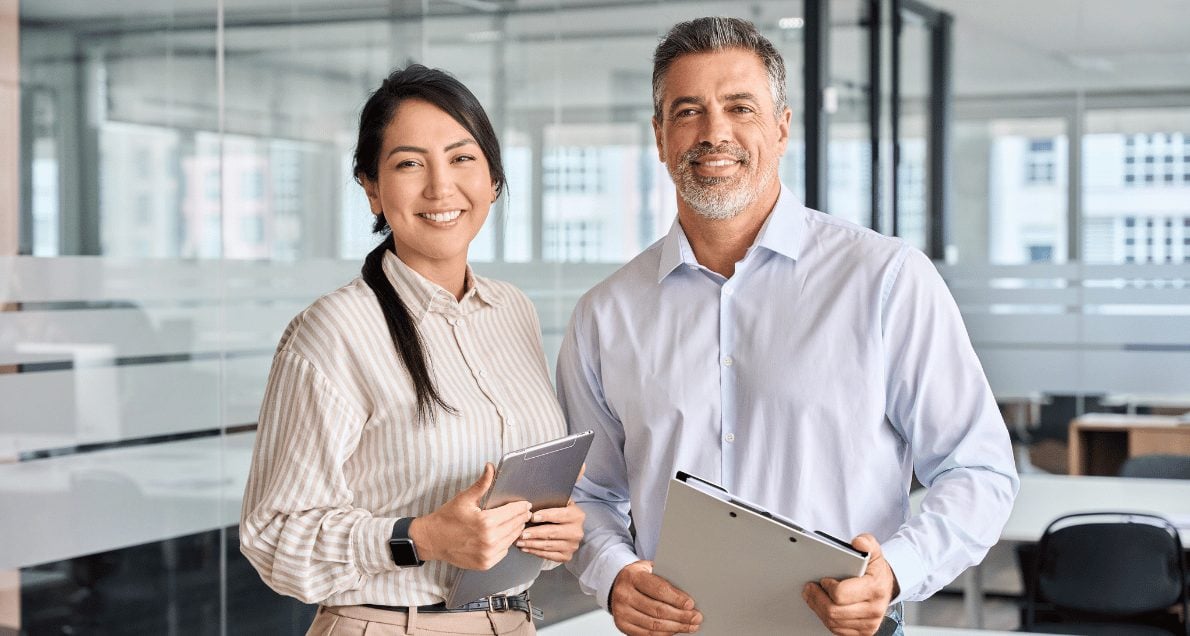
[[849, 591], [817, 599], [658, 588], [650, 623], [868, 543]]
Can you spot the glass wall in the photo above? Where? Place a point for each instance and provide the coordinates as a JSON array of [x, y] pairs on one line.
[[1070, 203], [176, 185], [185, 189]]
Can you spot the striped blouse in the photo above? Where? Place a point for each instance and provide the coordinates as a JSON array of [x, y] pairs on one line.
[[340, 456]]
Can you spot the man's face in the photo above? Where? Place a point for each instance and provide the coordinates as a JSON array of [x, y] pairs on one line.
[[719, 136]]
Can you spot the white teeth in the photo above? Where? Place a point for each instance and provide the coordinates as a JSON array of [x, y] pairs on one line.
[[441, 217], [719, 162]]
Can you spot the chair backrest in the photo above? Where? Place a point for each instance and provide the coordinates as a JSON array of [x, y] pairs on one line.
[[1157, 466], [1111, 564]]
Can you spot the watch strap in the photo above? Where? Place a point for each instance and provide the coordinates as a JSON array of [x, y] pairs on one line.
[[404, 552]]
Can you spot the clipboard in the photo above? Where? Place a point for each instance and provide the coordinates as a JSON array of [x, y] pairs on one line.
[[743, 565], [543, 475]]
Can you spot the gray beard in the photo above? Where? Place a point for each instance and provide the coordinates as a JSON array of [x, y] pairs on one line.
[[710, 199]]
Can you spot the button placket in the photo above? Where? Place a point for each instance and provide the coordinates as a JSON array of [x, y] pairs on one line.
[[484, 379]]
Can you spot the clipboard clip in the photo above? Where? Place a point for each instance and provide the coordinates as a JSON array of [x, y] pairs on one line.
[[685, 478]]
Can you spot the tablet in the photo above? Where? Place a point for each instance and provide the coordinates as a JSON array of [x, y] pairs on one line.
[[743, 565], [543, 475]]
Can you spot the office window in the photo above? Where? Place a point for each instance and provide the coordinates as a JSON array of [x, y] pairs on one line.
[[1015, 203], [1041, 253], [573, 170], [1039, 162]]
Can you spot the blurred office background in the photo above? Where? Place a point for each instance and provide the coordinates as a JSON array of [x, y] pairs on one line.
[[175, 185]]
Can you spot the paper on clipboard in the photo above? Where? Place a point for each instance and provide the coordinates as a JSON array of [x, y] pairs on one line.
[[744, 566]]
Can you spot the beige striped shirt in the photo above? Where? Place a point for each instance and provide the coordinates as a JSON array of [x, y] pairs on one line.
[[340, 456]]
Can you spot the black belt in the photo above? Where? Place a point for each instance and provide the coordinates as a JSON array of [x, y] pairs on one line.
[[494, 603]]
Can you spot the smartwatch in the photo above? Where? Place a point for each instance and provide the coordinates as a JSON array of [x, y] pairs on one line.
[[401, 545]]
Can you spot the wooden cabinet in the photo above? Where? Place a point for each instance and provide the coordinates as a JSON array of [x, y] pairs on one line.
[[1100, 442]]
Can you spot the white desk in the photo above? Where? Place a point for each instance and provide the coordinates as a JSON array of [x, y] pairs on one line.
[[599, 623], [1043, 498], [1176, 401]]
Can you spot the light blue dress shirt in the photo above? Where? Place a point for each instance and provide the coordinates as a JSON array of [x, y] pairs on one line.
[[831, 366]]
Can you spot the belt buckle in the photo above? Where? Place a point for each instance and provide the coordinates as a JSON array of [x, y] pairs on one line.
[[498, 603]]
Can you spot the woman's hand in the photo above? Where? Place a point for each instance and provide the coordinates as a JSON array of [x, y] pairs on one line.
[[557, 536], [464, 535]]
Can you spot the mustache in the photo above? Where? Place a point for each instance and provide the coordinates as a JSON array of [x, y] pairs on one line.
[[702, 150]]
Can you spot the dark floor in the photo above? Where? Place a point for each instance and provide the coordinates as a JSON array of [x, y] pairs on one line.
[[172, 587]]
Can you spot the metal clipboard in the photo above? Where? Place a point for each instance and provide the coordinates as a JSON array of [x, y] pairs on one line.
[[744, 566]]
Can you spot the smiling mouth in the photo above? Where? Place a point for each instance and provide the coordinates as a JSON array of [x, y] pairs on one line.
[[441, 217], [717, 163]]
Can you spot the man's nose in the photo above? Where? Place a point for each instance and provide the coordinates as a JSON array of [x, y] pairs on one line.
[[717, 129]]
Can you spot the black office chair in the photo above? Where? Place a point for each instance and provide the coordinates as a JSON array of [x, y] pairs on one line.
[[1157, 466], [1107, 573]]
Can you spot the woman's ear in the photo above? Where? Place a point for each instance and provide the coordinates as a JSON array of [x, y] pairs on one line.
[[373, 192]]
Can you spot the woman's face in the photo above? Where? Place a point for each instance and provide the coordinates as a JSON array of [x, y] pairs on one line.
[[433, 186]]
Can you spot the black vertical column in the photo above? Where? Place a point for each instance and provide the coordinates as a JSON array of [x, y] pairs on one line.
[[874, 111], [937, 206], [816, 80]]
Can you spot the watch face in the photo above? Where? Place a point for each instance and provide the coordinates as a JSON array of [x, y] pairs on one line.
[[403, 553]]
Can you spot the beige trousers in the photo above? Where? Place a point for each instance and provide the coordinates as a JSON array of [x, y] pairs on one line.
[[357, 620]]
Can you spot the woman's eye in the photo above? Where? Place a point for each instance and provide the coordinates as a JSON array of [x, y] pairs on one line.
[[408, 163], [464, 158]]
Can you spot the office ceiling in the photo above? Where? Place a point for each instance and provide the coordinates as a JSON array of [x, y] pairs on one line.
[[1001, 47]]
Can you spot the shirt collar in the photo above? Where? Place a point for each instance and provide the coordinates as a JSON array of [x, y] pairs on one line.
[[784, 230], [422, 296], [781, 233]]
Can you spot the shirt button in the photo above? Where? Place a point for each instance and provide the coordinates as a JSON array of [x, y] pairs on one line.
[[727, 362], [510, 422], [727, 291], [729, 438]]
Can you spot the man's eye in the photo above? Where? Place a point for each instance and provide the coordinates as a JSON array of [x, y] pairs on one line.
[[743, 109], [686, 112]]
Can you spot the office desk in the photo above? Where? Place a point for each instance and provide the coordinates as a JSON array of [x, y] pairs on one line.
[[1173, 402], [1100, 442], [1043, 498], [600, 623]]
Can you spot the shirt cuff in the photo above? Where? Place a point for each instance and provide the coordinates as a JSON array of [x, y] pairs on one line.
[[604, 570], [906, 565], [369, 540]]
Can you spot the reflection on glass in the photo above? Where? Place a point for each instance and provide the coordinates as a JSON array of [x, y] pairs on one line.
[[912, 222], [1136, 167]]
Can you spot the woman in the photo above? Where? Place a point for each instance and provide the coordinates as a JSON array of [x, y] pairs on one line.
[[388, 398]]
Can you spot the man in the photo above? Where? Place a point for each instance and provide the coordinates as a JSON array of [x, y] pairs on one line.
[[805, 363]]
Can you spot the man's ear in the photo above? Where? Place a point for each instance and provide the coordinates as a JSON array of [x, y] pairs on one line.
[[657, 139], [783, 122], [373, 192]]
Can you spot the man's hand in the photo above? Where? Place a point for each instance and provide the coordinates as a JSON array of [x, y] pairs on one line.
[[557, 537], [855, 606], [644, 604], [463, 534]]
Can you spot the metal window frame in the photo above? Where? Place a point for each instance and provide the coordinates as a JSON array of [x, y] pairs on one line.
[[940, 26]]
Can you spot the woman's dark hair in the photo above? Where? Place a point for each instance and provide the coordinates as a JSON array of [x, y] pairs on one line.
[[449, 94]]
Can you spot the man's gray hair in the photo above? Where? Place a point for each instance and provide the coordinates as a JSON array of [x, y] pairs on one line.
[[704, 35]]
